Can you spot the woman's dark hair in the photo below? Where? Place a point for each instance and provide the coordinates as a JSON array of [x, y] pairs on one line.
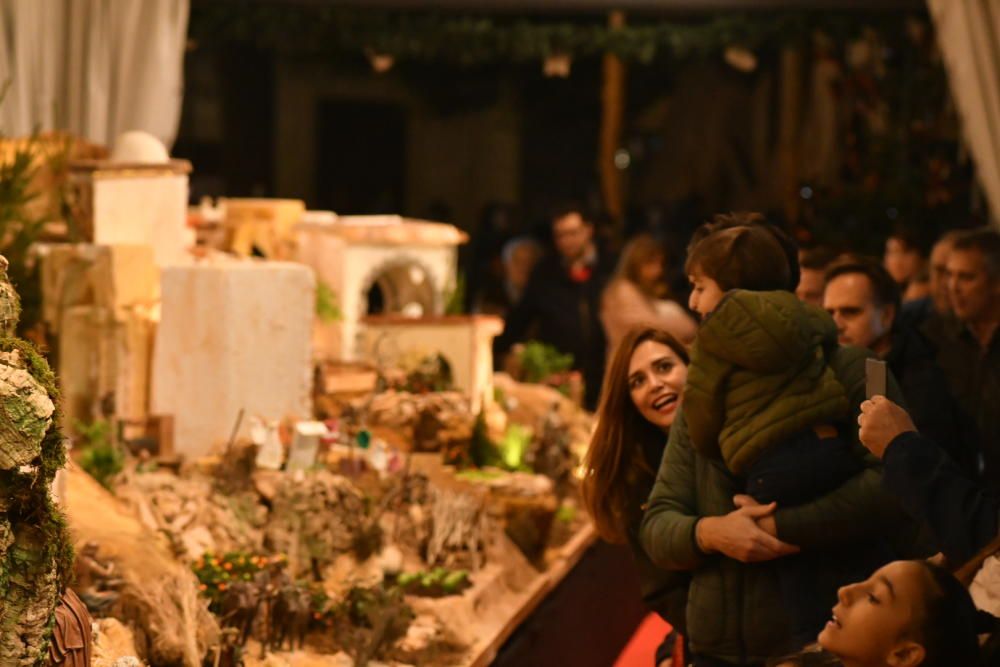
[[614, 460], [950, 622]]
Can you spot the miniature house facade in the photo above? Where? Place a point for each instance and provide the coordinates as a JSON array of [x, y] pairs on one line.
[[377, 265], [392, 278]]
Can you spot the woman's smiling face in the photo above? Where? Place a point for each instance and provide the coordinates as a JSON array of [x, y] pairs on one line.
[[656, 377], [872, 621]]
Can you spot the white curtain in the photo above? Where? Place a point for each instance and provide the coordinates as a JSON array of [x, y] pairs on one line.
[[969, 36], [96, 68]]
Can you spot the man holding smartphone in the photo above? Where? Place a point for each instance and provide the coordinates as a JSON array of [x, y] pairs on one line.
[[962, 514]]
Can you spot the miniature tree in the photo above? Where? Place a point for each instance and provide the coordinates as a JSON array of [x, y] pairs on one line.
[[35, 550]]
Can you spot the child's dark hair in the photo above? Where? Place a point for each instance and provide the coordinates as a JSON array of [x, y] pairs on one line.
[[951, 623], [743, 257]]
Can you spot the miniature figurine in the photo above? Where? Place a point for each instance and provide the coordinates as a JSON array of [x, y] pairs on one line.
[[240, 605], [291, 611]]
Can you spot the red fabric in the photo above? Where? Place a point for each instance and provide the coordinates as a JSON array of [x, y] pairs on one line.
[[580, 274], [641, 648]]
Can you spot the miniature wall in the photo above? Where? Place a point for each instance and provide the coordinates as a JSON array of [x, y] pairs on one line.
[[466, 343], [233, 336]]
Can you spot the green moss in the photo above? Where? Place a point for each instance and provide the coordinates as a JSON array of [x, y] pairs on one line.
[[43, 546], [35, 362]]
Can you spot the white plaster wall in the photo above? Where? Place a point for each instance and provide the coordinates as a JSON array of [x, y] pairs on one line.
[[232, 336], [146, 210]]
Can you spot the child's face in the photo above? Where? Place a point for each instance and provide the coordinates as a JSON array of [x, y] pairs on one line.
[[872, 622], [705, 293]]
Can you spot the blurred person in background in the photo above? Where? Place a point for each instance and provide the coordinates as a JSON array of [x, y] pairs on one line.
[[483, 270], [968, 346], [813, 263], [931, 311], [905, 258], [518, 257], [637, 295], [562, 301]]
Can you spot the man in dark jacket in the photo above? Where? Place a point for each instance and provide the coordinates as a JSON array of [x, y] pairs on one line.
[[963, 516], [863, 300], [968, 344], [562, 299]]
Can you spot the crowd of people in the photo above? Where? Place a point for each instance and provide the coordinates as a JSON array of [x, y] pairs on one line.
[[738, 455]]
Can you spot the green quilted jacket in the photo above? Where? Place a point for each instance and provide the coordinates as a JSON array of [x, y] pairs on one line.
[[735, 611], [759, 375]]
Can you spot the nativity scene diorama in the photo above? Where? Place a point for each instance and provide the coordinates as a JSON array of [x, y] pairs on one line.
[[273, 440]]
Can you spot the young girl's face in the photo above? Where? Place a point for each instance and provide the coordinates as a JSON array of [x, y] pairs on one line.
[[705, 293], [873, 620]]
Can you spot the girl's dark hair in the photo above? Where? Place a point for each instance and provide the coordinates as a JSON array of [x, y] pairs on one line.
[[614, 461], [950, 623]]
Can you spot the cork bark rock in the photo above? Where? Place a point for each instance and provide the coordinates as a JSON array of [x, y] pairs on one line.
[[35, 551]]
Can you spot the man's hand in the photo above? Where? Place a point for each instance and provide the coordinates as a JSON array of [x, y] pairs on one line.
[[739, 536], [881, 421]]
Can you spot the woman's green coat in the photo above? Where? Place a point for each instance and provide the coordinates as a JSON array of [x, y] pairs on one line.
[[735, 611]]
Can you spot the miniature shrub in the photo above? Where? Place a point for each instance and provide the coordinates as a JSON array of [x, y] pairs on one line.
[[540, 361], [99, 456]]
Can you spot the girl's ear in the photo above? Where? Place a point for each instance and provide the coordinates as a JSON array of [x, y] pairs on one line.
[[906, 654]]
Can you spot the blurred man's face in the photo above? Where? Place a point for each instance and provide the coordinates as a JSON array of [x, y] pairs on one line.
[[810, 289], [572, 236], [974, 294], [850, 300], [939, 277]]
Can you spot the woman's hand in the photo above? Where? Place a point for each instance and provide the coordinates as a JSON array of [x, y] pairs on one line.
[[739, 536], [766, 522]]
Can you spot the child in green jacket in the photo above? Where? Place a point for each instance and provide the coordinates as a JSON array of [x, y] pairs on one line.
[[760, 393]]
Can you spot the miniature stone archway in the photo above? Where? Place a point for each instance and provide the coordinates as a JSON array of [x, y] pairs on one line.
[[408, 287]]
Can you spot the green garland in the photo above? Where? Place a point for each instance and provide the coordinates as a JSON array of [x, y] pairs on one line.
[[469, 40]]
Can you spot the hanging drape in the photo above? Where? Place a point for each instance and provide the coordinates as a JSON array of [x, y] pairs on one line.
[[96, 68], [969, 36]]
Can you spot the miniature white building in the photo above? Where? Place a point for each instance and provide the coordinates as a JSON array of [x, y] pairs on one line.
[[412, 266], [411, 262], [135, 204]]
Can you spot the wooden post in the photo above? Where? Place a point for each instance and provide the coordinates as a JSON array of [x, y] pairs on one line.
[[612, 120], [790, 122]]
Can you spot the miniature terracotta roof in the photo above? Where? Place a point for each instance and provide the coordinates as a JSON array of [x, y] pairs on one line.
[[391, 230]]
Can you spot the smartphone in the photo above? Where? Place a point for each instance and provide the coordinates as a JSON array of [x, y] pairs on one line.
[[876, 377]]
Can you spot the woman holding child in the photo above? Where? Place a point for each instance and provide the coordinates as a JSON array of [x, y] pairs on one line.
[[763, 461]]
